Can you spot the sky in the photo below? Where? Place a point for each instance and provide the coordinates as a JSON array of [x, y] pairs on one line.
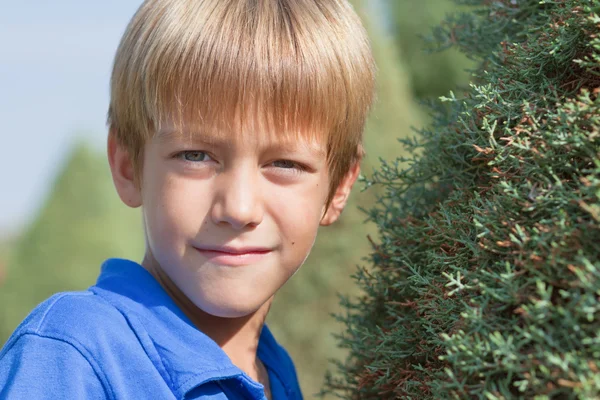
[[55, 63]]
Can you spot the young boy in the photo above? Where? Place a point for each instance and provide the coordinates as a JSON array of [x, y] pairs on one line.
[[236, 125]]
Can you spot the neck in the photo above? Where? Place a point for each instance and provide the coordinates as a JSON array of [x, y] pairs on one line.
[[238, 337]]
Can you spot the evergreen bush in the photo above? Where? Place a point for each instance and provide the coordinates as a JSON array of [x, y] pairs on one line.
[[484, 281]]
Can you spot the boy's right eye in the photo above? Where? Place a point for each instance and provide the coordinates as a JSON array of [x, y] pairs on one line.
[[194, 156]]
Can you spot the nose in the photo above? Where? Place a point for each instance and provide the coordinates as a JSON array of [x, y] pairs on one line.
[[238, 199]]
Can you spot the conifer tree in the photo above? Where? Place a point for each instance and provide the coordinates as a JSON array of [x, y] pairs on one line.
[[484, 281], [81, 223]]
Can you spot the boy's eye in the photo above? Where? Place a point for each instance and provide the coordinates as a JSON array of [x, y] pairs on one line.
[[285, 164], [194, 156]]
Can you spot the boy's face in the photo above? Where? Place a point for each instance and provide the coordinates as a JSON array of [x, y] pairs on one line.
[[229, 222]]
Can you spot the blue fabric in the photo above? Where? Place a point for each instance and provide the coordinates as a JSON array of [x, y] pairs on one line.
[[124, 338]]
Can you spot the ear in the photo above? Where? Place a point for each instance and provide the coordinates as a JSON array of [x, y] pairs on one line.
[[340, 197], [122, 170]]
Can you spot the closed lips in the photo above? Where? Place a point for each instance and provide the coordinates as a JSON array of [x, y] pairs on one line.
[[234, 251]]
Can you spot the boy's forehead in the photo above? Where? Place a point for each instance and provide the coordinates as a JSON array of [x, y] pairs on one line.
[[264, 139]]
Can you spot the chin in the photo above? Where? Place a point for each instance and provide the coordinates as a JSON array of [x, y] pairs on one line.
[[229, 308]]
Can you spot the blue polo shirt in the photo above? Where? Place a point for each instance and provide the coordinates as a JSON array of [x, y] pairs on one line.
[[125, 338]]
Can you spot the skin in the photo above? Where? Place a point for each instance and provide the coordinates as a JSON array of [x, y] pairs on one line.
[[248, 191]]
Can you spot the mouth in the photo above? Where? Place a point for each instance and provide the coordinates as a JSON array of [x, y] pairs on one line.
[[234, 256]]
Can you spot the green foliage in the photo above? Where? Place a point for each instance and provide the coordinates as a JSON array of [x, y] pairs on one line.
[[485, 282], [81, 224]]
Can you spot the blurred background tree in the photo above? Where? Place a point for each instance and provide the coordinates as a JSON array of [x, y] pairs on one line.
[[83, 222], [432, 73], [6, 245]]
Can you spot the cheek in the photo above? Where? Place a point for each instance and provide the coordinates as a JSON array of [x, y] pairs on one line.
[[298, 213], [174, 208]]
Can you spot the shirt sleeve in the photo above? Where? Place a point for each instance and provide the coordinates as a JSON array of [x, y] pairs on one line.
[[38, 367]]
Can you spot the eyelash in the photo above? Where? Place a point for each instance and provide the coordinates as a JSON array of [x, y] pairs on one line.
[[295, 166]]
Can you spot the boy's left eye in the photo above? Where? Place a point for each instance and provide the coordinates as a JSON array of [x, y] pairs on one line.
[[286, 164]]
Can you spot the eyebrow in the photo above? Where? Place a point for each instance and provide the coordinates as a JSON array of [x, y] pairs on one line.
[[169, 135], [289, 146]]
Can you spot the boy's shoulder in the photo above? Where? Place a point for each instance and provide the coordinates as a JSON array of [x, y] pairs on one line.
[[71, 316], [81, 319], [64, 347]]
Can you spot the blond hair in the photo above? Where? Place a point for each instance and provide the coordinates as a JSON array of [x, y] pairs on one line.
[[299, 66]]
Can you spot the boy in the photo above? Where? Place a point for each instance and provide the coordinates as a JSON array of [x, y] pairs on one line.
[[236, 125]]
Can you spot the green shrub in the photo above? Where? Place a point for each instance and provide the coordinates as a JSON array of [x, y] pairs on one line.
[[485, 280]]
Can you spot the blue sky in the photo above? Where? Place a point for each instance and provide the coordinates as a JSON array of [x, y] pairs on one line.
[[55, 62]]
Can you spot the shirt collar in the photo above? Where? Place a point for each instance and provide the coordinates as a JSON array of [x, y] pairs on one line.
[[187, 356]]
